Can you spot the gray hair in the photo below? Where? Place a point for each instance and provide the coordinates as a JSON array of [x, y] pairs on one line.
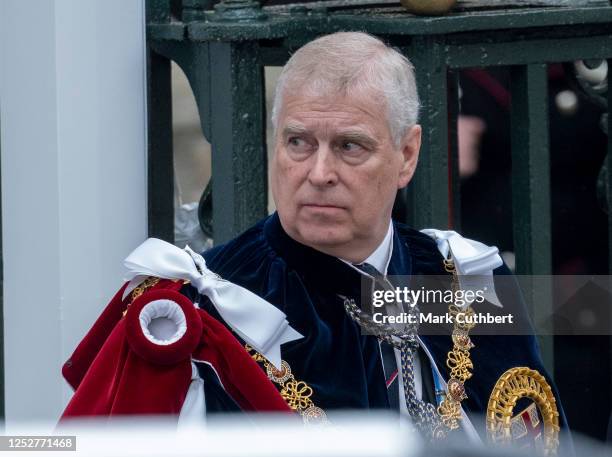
[[353, 62]]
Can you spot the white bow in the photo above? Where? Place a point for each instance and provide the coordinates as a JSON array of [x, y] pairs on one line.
[[259, 323], [474, 261]]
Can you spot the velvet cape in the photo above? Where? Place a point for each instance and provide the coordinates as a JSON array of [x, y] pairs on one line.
[[115, 370], [342, 366]]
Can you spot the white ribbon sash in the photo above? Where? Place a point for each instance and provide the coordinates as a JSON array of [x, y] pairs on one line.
[[474, 261], [259, 323]]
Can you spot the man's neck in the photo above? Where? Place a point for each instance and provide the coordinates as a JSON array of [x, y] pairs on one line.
[[380, 257]]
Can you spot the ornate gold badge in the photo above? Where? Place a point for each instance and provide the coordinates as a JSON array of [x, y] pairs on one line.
[[503, 424]]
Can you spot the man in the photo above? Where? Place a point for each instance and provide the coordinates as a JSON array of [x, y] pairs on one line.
[[346, 139]]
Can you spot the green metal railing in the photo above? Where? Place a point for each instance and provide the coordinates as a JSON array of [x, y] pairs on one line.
[[224, 48], [223, 58]]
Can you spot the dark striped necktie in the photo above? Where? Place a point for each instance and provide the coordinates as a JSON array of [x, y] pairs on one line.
[[387, 351]]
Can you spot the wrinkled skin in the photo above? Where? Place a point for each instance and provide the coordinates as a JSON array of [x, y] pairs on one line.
[[336, 171]]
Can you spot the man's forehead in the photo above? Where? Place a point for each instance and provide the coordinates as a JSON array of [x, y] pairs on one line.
[[293, 127], [304, 112], [356, 100]]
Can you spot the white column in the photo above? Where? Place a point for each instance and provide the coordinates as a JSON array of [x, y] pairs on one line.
[[73, 144]]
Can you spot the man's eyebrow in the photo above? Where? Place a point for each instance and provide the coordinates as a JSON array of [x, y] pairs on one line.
[[358, 137], [294, 129]]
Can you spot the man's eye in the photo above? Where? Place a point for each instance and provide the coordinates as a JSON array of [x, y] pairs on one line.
[[350, 147], [298, 147], [296, 142]]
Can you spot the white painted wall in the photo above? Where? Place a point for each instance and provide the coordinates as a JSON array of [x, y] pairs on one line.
[[73, 144]]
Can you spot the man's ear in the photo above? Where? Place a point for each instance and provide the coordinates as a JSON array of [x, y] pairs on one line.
[[410, 147]]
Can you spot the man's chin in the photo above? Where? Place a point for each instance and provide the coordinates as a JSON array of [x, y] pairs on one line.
[[323, 237]]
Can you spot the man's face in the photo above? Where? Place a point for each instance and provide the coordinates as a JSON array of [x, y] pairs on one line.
[[336, 171]]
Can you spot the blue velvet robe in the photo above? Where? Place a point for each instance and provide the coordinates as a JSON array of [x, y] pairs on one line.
[[342, 366]]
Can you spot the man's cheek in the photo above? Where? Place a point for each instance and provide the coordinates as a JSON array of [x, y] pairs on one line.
[[292, 176], [283, 161]]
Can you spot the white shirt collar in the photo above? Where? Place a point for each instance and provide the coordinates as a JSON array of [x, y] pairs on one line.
[[381, 256]]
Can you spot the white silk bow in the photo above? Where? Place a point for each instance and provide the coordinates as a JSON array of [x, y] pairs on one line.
[[474, 261], [259, 323]]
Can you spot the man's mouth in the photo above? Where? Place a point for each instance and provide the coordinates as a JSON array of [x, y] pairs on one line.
[[322, 206]]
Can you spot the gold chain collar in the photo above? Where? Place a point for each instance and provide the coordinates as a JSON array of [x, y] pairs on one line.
[[296, 393], [457, 360]]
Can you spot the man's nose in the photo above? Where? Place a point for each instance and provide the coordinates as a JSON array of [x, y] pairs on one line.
[[323, 172]]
